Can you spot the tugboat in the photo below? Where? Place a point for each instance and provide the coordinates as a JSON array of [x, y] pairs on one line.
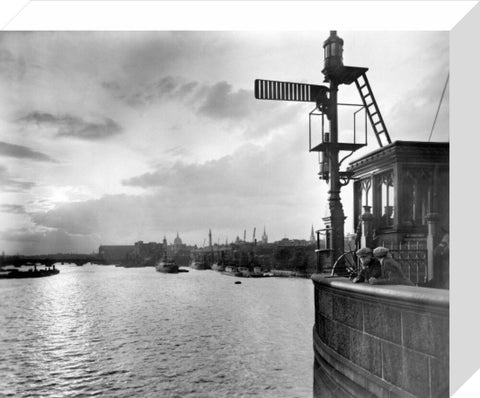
[[199, 264], [167, 266]]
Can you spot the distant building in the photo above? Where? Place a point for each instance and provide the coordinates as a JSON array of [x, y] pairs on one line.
[[114, 254], [294, 255], [145, 254], [148, 249]]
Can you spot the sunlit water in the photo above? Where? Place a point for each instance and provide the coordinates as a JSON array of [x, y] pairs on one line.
[[116, 332]]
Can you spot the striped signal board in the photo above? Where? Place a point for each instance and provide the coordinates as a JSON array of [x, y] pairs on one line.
[[285, 91]]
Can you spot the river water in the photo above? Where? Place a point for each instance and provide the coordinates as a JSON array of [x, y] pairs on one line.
[[134, 332]]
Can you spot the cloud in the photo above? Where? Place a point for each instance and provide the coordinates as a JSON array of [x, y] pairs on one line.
[[422, 101], [218, 102], [256, 119], [20, 235], [72, 126], [143, 95], [15, 209], [11, 67], [177, 151], [119, 219], [222, 102], [409, 102], [77, 221], [47, 241], [9, 184], [253, 186], [23, 152], [241, 175]]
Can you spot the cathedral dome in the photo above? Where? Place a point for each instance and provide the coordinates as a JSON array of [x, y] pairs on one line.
[[177, 240]]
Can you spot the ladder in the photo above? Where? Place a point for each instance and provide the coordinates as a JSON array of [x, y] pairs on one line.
[[373, 111]]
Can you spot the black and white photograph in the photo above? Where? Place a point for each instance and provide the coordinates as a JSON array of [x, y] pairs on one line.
[[225, 213]]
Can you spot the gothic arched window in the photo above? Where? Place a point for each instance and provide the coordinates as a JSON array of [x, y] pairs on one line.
[[386, 197]]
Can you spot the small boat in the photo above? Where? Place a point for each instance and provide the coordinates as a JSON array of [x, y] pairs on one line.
[[199, 265], [231, 270], [167, 266], [244, 271], [257, 273], [218, 267]]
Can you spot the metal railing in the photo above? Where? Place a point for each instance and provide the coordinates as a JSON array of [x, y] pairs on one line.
[[413, 259]]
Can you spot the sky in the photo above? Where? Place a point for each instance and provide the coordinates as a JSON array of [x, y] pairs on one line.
[[116, 137]]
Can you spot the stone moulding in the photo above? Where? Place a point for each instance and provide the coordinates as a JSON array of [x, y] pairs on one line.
[[385, 341]]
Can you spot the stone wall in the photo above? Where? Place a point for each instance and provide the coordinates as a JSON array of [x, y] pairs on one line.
[[380, 341]]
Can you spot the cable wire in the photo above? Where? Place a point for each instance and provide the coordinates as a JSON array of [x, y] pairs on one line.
[[439, 105]]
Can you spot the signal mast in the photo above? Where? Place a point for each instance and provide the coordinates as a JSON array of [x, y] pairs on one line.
[[336, 74]]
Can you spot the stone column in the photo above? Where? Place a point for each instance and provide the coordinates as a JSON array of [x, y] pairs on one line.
[[367, 228], [432, 221]]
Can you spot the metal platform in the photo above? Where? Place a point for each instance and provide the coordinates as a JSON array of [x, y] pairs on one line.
[[348, 146], [344, 74]]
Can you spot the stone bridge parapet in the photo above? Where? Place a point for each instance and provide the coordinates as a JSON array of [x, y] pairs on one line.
[[380, 341]]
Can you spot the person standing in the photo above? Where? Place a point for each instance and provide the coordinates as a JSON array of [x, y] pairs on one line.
[[441, 263], [391, 273]]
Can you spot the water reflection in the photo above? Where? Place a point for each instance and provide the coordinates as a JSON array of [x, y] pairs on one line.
[[133, 332]]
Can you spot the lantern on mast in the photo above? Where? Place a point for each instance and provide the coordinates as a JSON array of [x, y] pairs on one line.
[[333, 52]]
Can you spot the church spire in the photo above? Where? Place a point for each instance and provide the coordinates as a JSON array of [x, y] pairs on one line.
[[264, 236]]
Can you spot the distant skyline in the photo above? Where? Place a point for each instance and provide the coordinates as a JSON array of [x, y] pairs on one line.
[[115, 137]]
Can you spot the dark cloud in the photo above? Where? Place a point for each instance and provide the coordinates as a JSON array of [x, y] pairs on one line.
[[72, 126], [10, 184], [221, 102], [218, 101], [48, 241], [165, 89], [178, 151], [186, 89], [15, 209], [23, 152]]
